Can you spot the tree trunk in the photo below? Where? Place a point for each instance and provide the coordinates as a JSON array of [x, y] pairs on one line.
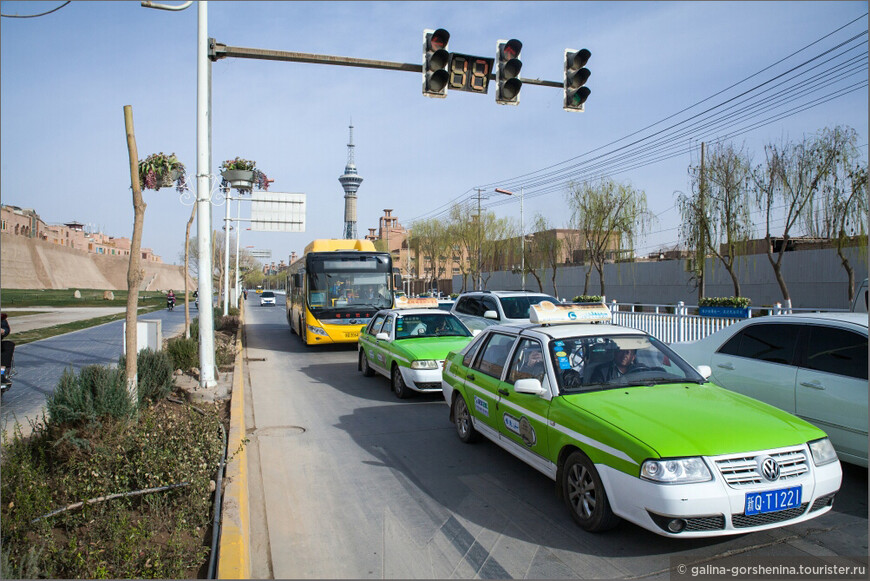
[[586, 284], [538, 279], [777, 267], [849, 271], [555, 290], [134, 272], [186, 276], [734, 280], [600, 269]]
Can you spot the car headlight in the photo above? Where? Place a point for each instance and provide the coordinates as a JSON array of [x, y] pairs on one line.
[[823, 452], [424, 364], [676, 471], [317, 330]]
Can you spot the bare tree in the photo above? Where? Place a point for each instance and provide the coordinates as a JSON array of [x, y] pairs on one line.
[[134, 271], [612, 215], [549, 247], [719, 216], [429, 238], [786, 184]]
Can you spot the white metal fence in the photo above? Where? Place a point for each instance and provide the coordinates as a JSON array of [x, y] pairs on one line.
[[680, 322]]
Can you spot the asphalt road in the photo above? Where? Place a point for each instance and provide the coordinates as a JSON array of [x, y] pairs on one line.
[[40, 364], [346, 481]]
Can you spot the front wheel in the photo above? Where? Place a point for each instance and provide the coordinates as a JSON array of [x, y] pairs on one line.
[[364, 364], [584, 494], [402, 390], [462, 418]]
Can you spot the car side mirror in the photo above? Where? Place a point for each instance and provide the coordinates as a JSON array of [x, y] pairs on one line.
[[490, 315], [382, 337], [705, 370], [531, 386]]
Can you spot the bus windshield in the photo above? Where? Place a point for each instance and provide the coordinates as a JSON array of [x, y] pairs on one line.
[[353, 281]]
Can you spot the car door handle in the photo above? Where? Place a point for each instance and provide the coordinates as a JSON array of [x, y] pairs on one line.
[[727, 366], [470, 376], [504, 392], [813, 385]]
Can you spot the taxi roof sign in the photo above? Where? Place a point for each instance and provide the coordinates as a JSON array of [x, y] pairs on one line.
[[418, 303], [546, 312]]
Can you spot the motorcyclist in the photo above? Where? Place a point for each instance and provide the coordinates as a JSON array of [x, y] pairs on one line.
[[6, 350], [170, 300]]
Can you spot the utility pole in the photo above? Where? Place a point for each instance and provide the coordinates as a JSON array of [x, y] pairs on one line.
[[701, 253], [479, 244]]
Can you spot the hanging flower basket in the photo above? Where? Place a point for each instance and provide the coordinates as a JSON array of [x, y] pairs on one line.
[[159, 170], [241, 179]]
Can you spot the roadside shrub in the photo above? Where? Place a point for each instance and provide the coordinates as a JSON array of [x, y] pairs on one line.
[[93, 393], [739, 302], [228, 324], [184, 353], [587, 299], [153, 372]]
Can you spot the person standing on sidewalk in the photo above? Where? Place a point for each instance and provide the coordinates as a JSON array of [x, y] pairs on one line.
[[6, 350]]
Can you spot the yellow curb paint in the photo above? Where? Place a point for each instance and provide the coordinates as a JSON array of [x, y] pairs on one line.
[[234, 559]]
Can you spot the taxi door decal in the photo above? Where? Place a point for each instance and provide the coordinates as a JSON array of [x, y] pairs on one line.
[[481, 405], [522, 428]]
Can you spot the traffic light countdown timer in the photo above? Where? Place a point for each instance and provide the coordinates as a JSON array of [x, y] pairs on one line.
[[576, 75]]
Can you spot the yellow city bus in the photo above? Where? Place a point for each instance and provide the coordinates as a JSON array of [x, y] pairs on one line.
[[336, 288]]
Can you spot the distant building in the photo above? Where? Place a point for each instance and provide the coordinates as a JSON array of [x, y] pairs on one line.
[[26, 222]]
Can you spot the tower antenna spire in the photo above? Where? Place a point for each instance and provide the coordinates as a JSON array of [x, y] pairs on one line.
[[350, 182]]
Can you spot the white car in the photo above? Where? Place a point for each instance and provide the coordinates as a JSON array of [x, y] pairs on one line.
[[811, 365], [267, 298]]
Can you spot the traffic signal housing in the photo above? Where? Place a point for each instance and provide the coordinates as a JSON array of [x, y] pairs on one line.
[[507, 72], [435, 61], [576, 75]]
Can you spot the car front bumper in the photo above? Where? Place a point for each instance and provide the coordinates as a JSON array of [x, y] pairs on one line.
[[715, 508], [423, 380]]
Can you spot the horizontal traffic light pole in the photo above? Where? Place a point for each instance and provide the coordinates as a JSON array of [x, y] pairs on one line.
[[218, 51]]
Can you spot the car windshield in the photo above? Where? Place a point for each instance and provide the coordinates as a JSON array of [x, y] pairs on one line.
[[518, 307], [612, 361], [436, 324], [268, 295]]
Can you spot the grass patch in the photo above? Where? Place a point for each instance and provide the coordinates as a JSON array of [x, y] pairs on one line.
[[22, 337], [65, 298]]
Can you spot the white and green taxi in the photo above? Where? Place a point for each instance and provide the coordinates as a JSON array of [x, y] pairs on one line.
[[408, 344], [629, 430]]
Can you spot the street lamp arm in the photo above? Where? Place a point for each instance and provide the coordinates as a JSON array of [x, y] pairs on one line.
[[158, 6]]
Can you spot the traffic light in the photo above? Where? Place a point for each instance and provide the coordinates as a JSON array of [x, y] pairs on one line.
[[576, 75], [507, 72], [435, 61]]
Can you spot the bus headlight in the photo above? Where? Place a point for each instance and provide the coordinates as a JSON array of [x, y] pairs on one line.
[[424, 364], [317, 331]]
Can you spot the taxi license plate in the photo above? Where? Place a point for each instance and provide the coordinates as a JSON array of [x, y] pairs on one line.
[[773, 500], [351, 335]]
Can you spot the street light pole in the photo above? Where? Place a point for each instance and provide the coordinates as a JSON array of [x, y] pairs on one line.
[[203, 189], [227, 228]]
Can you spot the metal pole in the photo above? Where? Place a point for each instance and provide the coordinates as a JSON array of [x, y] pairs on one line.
[[522, 240], [227, 228], [203, 200], [238, 236]]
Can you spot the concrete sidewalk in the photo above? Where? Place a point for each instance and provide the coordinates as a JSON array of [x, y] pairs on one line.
[[51, 316]]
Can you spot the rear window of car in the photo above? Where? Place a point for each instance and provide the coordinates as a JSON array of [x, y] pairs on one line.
[[518, 307]]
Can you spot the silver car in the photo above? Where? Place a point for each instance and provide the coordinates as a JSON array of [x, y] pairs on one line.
[[811, 365]]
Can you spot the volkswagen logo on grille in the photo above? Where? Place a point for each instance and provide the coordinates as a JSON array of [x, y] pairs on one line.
[[769, 468]]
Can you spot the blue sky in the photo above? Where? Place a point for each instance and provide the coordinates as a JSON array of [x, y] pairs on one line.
[[65, 78]]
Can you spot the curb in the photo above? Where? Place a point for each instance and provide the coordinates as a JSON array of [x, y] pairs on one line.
[[234, 552]]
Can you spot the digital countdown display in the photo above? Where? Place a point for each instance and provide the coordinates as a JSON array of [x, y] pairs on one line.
[[469, 73]]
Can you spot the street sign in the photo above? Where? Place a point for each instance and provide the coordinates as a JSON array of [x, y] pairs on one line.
[[277, 212]]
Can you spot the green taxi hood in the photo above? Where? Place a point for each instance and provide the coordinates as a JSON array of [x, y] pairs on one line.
[[695, 420], [431, 347]]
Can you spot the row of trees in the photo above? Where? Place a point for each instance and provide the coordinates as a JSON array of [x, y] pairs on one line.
[[815, 187]]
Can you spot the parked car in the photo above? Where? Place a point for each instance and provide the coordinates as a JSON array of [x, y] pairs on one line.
[[811, 365], [859, 303], [650, 441], [267, 298], [500, 306], [408, 345]]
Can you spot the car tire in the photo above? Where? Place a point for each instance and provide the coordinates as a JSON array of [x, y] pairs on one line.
[[401, 390], [462, 418], [584, 494], [364, 364]]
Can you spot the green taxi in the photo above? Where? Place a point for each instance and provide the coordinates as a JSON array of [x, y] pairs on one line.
[[408, 345], [629, 430]]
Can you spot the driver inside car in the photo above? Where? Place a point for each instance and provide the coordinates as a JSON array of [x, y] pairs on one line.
[[623, 362]]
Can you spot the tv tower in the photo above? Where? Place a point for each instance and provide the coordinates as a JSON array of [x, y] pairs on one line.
[[350, 181]]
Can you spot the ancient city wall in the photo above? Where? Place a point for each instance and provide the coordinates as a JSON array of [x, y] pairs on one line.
[[28, 263]]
